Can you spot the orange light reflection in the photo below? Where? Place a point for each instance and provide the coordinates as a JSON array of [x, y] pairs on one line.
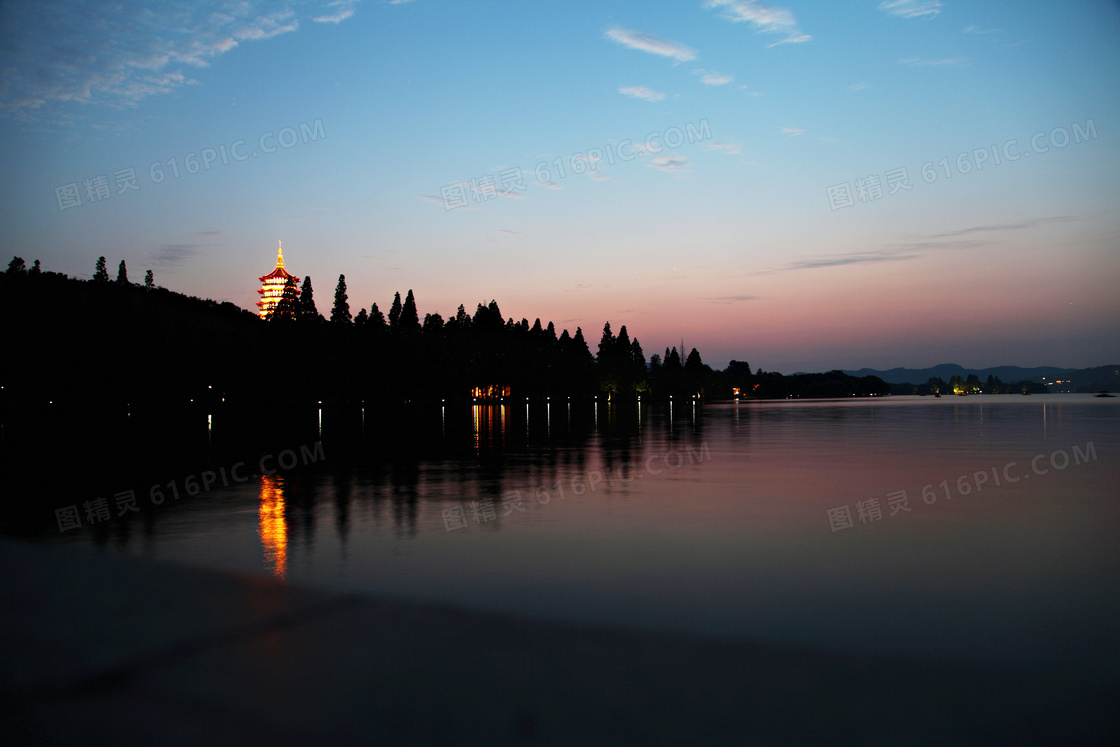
[[272, 529]]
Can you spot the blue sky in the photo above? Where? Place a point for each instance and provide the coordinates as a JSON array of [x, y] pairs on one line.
[[739, 226]]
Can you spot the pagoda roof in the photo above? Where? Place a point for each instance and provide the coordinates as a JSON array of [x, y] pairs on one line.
[[279, 272]]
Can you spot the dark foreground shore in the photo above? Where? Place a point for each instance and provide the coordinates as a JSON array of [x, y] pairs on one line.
[[99, 648]]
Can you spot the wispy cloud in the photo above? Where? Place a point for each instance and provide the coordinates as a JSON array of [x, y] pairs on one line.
[[855, 258], [651, 44], [911, 8], [729, 148], [166, 256], [119, 54], [715, 79], [643, 93], [338, 11], [902, 252], [858, 86], [451, 205], [1010, 226], [792, 131], [764, 19], [977, 31], [951, 62], [712, 78], [995, 36], [731, 299], [671, 164]]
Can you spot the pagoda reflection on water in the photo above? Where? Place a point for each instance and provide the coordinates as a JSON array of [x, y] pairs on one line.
[[272, 285], [272, 525]]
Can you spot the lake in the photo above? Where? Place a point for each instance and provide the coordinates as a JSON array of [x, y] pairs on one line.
[[978, 528]]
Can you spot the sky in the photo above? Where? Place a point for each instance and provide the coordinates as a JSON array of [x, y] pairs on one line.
[[804, 186]]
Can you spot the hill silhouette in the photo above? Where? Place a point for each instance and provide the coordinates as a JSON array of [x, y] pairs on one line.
[[1095, 379]]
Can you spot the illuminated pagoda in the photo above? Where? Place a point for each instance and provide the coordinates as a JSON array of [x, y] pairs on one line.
[[272, 285]]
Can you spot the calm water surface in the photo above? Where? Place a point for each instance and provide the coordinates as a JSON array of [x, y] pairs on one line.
[[717, 521]]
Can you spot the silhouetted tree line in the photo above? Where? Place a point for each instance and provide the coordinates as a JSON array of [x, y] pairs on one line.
[[773, 385], [99, 341], [398, 357], [969, 384]]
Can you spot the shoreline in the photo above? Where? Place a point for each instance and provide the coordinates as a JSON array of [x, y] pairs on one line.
[[107, 647]]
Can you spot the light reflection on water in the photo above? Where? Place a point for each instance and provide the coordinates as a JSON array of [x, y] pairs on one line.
[[717, 522], [273, 529]]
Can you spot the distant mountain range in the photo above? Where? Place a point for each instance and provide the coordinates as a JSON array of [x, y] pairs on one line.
[[1083, 379]]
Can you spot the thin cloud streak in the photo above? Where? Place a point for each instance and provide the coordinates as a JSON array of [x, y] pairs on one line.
[[343, 9], [712, 78], [1011, 226], [891, 253], [732, 299], [979, 31], [730, 149], [651, 44], [952, 62], [671, 164], [911, 8], [643, 93], [858, 258], [764, 19], [172, 255]]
